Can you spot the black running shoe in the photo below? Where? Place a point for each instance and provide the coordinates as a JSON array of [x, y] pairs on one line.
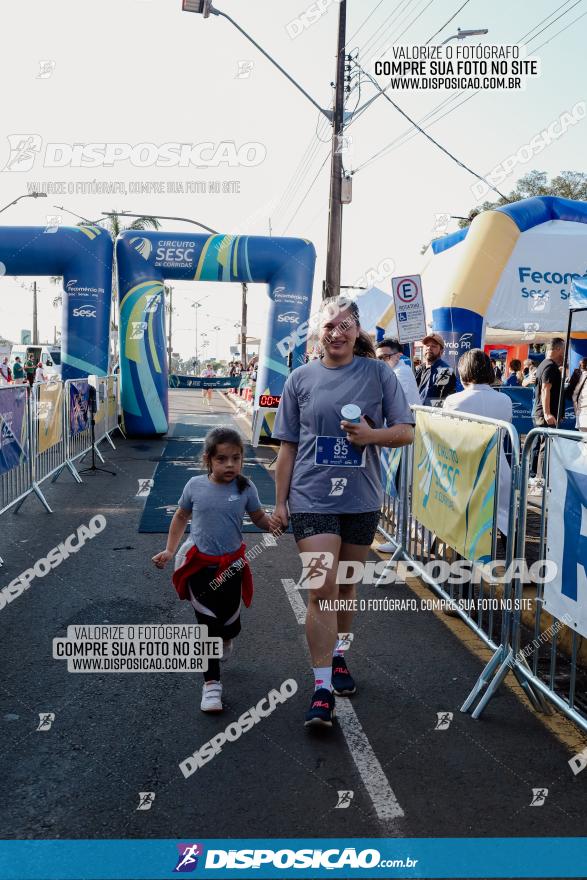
[[321, 711], [343, 684]]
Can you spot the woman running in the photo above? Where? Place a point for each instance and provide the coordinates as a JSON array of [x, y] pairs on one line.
[[328, 478], [211, 568]]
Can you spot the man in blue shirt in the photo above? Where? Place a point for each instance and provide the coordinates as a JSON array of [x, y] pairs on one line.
[[436, 380]]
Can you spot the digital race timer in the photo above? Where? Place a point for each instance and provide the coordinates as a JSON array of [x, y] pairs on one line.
[[269, 401]]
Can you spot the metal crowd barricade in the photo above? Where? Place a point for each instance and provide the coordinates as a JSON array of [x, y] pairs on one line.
[[551, 675], [47, 432], [17, 481], [418, 545]]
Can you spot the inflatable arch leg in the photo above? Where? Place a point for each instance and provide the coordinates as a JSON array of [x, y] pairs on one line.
[[83, 255], [146, 259]]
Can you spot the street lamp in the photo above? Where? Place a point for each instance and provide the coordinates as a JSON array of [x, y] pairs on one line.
[[201, 6], [197, 304], [462, 35], [205, 8], [33, 195]]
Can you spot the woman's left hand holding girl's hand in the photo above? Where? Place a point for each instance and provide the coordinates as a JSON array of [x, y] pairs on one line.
[[360, 433]]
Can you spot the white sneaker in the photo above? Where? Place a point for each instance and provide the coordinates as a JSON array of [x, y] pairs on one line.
[[386, 548], [227, 649], [211, 697]]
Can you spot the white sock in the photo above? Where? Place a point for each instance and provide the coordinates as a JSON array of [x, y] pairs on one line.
[[340, 648], [322, 677]]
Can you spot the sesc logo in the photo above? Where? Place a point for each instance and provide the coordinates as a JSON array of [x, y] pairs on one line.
[[142, 246], [85, 312], [288, 318]]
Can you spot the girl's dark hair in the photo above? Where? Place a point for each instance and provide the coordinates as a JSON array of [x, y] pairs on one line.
[[475, 368], [515, 365], [363, 344], [213, 440]]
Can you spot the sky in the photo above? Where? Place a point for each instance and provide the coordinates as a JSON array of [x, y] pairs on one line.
[[143, 71]]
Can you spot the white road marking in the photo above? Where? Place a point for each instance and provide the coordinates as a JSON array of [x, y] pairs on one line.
[[295, 599], [370, 770], [382, 796]]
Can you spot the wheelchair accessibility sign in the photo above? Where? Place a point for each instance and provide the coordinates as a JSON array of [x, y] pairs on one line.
[[409, 308]]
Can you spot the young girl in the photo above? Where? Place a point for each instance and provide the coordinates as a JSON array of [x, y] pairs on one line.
[[214, 574]]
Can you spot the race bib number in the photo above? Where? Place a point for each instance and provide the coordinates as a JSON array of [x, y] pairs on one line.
[[338, 452]]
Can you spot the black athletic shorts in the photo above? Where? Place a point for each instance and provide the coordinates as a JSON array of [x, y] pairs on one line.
[[353, 528], [223, 601]]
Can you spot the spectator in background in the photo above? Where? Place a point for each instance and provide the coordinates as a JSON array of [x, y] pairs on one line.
[[435, 379], [39, 374], [5, 372], [17, 371], [479, 398], [497, 374], [577, 391], [515, 373], [416, 362], [390, 351], [547, 396], [30, 369], [529, 373]]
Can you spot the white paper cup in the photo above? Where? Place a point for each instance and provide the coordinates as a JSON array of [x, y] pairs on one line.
[[351, 413]]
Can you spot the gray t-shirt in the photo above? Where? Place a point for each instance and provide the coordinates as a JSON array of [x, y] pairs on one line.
[[331, 475], [218, 511]]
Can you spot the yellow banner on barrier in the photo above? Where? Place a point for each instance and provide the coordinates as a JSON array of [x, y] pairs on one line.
[[112, 401], [50, 414], [453, 486], [101, 402]]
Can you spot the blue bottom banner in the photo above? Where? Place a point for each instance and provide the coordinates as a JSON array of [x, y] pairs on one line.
[[178, 381], [310, 858]]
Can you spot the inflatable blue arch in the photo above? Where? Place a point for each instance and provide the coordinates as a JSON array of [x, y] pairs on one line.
[[83, 255], [513, 268], [147, 259]]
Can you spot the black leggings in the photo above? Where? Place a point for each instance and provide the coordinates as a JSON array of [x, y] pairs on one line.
[[224, 604]]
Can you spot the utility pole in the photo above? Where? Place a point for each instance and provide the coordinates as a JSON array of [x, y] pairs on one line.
[[35, 325], [244, 327], [170, 344], [333, 258], [196, 368]]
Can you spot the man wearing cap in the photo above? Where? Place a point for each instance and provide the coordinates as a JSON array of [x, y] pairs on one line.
[[433, 374]]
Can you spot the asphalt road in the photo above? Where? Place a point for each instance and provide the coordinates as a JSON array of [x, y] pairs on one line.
[[115, 735]]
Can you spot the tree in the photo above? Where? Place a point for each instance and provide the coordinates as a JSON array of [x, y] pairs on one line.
[[566, 185]]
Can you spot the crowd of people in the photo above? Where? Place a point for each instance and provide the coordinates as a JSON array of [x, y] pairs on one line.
[[18, 373]]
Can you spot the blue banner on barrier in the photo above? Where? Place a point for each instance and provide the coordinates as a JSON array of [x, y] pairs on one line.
[[317, 857], [178, 381], [79, 401], [12, 427], [522, 401]]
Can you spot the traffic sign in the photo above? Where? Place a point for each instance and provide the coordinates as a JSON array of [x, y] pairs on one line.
[[409, 308]]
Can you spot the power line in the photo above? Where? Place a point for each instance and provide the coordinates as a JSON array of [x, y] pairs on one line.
[[440, 147], [449, 21], [414, 20], [362, 25], [401, 139], [376, 35], [302, 168], [326, 158], [562, 30], [521, 40]]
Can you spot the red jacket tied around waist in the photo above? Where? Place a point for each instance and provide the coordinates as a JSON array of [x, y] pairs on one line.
[[196, 560]]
